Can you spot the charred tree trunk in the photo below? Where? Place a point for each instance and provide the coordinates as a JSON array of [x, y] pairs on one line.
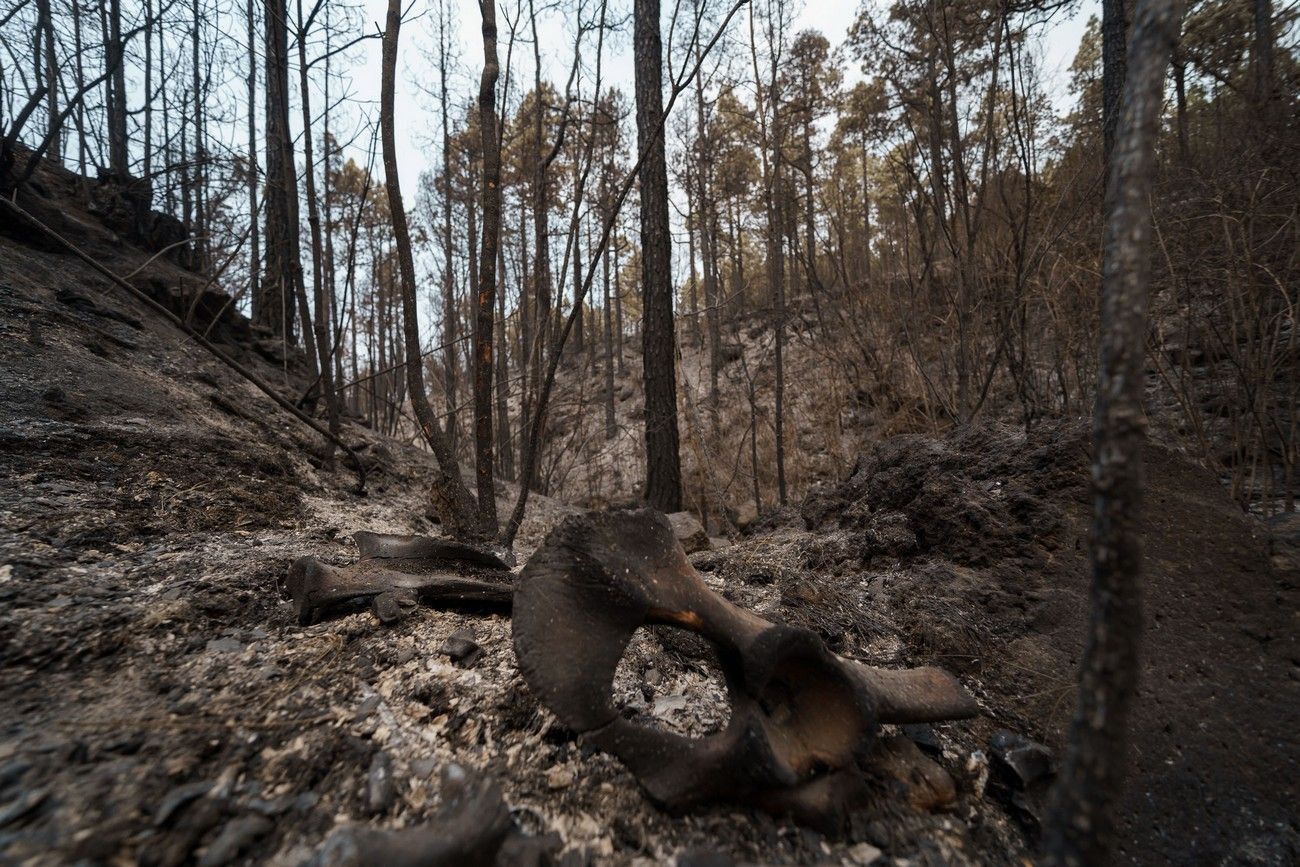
[[1081, 825], [487, 280], [322, 320], [708, 243], [51, 76], [449, 352], [1114, 36], [118, 154], [452, 488], [663, 486], [541, 241], [274, 306], [505, 452]]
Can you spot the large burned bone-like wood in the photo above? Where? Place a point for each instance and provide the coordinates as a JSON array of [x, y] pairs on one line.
[[801, 715], [396, 571]]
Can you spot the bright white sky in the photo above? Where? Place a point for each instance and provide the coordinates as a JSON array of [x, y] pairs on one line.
[[417, 118]]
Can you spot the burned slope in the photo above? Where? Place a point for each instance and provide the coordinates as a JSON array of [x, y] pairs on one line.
[[163, 705], [971, 551]]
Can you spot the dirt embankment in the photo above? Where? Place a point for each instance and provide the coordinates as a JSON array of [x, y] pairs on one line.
[[989, 528]]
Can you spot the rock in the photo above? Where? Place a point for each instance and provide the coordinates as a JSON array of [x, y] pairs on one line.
[[368, 706], [26, 803], [689, 531], [864, 853], [1022, 762], [462, 649], [1284, 542], [1020, 775], [717, 543], [560, 777], [225, 645], [380, 790], [179, 797], [746, 515], [422, 769], [235, 837], [924, 736], [666, 705], [928, 787]]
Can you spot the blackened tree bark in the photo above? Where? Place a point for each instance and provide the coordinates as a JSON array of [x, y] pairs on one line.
[[451, 350], [663, 487], [254, 233], [541, 235], [1081, 823], [274, 305], [487, 270], [48, 66], [451, 488], [115, 101], [505, 452], [1262, 55], [1114, 35], [321, 321], [708, 240]]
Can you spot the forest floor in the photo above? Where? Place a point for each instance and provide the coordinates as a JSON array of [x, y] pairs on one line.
[[162, 705]]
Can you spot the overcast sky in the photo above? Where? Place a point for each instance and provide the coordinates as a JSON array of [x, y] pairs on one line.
[[416, 113]]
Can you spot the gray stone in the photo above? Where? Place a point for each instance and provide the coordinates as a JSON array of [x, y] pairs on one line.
[[1284, 542], [689, 531], [236, 836], [380, 789]]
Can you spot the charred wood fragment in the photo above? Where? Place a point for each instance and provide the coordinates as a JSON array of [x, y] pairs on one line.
[[801, 718], [396, 572]]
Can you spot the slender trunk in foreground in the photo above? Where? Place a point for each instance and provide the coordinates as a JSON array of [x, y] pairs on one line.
[[1081, 826], [466, 515], [487, 270]]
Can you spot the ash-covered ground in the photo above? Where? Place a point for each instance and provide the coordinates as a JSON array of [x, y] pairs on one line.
[[162, 706]]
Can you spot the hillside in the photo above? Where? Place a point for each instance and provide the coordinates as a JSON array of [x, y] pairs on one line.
[[163, 706]]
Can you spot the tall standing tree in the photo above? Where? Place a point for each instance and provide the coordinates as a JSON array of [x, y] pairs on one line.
[[487, 265], [254, 181], [450, 352], [273, 306], [663, 486], [451, 488], [115, 92], [321, 320], [1081, 826], [1114, 38]]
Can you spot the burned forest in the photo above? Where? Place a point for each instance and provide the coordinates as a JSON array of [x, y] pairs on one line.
[[712, 433]]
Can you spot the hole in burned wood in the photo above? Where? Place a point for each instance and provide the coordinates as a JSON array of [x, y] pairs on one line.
[[658, 685]]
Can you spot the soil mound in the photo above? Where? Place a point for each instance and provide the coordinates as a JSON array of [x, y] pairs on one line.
[[986, 529]]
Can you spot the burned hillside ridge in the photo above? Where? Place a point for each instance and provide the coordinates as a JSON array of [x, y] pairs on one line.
[[165, 700]]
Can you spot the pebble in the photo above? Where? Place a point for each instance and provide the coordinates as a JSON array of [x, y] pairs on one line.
[[234, 838], [380, 790], [560, 777], [864, 853], [179, 797]]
